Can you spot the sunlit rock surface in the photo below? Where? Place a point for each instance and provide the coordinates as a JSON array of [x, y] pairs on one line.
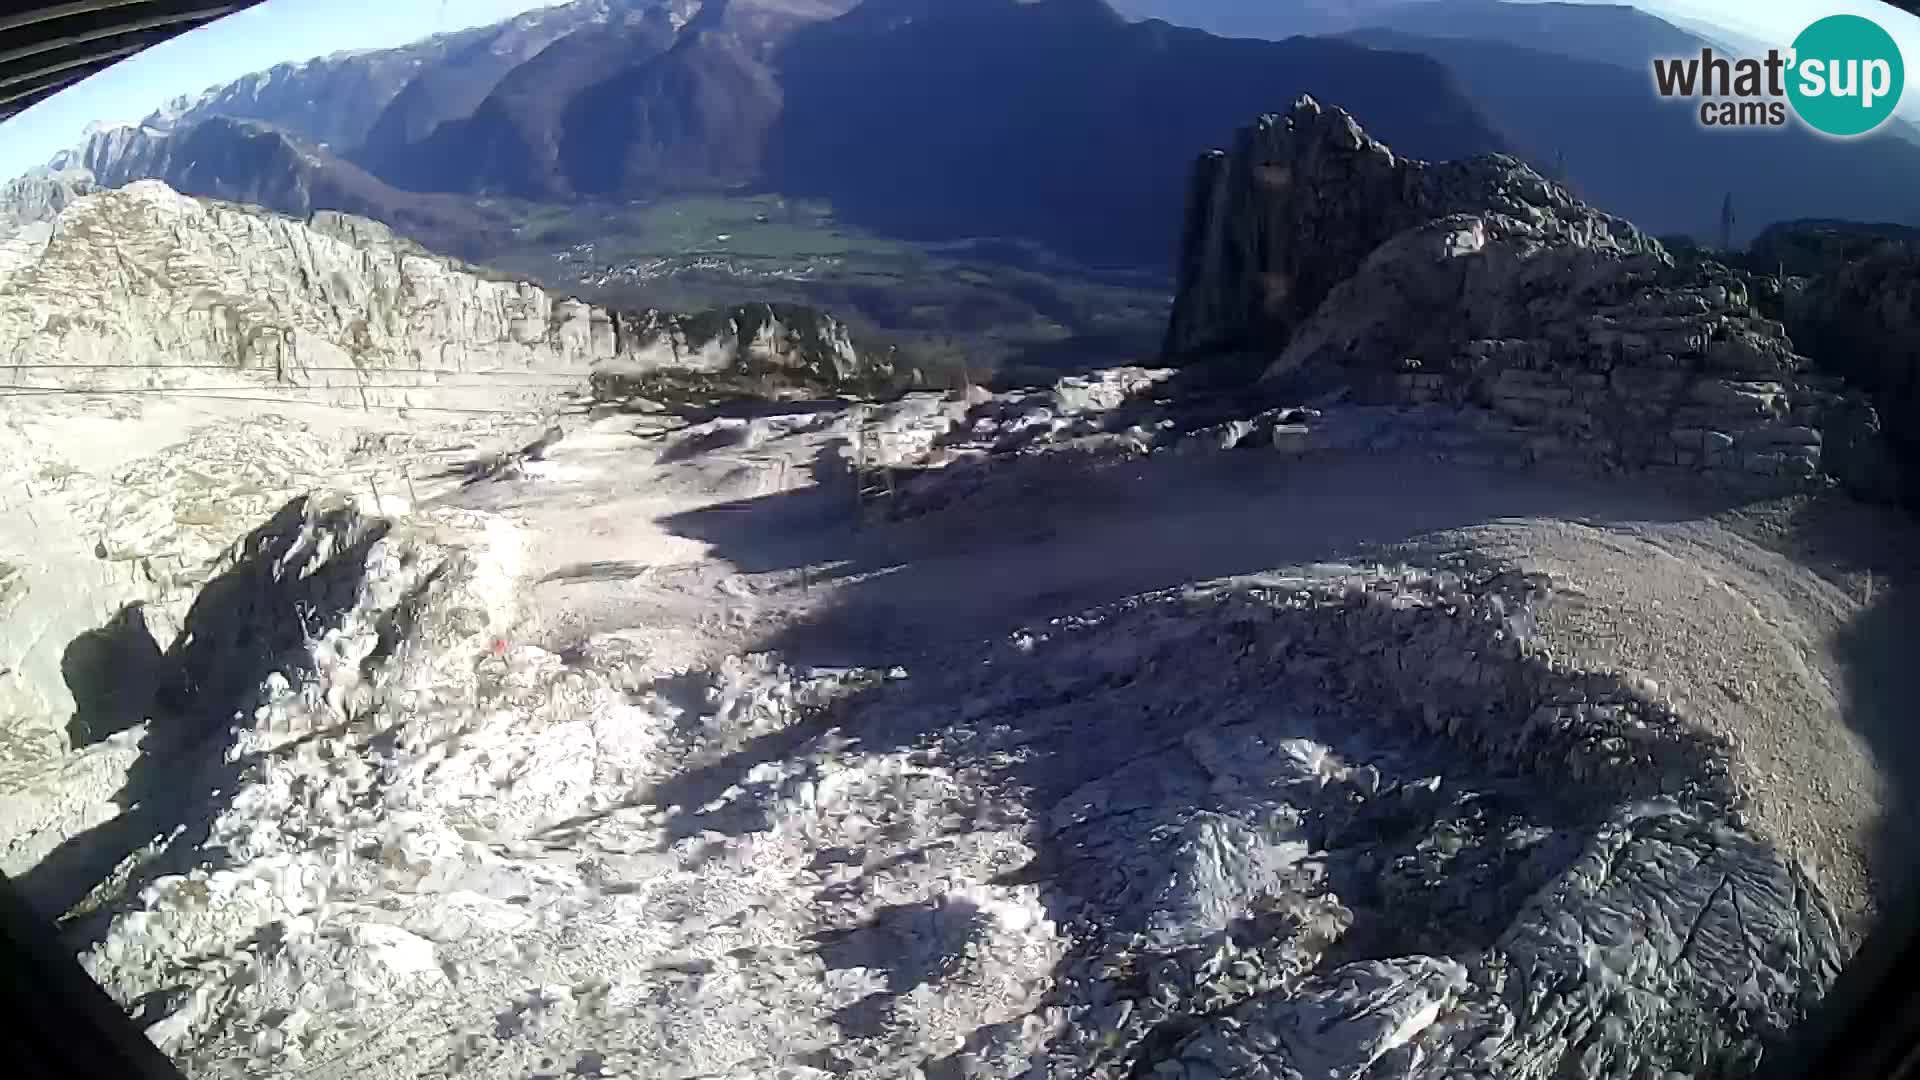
[[1479, 283]]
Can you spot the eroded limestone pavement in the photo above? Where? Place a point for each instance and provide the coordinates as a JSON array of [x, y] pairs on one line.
[[1384, 835]]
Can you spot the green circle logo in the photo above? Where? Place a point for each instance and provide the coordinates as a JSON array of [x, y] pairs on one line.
[[1846, 75]]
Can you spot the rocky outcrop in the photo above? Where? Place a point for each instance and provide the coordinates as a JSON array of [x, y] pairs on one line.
[[1480, 284], [1851, 298], [40, 194], [144, 287], [797, 344], [1815, 247], [1304, 198]]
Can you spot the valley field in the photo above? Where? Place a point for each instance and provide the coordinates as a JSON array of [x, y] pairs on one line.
[[1009, 309]]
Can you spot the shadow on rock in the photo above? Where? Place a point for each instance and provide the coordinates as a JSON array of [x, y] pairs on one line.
[[113, 673], [914, 944], [1042, 538], [274, 592], [1878, 650], [1233, 791]]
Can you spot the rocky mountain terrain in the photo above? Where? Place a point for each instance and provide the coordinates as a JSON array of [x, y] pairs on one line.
[[282, 138], [37, 196], [633, 100], [250, 162], [510, 142], [1851, 297], [330, 101], [1481, 283], [343, 309], [1566, 86], [1176, 721], [1613, 34], [1538, 96], [451, 87], [341, 101]]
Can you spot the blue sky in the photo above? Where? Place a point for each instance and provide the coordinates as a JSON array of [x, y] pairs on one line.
[[283, 30]]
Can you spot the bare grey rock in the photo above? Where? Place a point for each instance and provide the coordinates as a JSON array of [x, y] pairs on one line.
[[38, 195], [1480, 284], [202, 288], [1383, 834], [1304, 198], [796, 345], [1855, 312]]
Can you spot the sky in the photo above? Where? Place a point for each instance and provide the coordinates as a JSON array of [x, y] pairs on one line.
[[281, 30]]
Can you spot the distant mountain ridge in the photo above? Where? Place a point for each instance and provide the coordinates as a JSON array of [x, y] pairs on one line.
[[926, 118], [451, 88], [1627, 151], [244, 161], [342, 100], [1568, 86], [509, 141], [1053, 120], [1614, 34], [1060, 121]]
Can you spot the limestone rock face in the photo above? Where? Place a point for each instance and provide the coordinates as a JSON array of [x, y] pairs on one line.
[[1303, 199], [1480, 284], [144, 287], [753, 337], [39, 194], [143, 282], [1858, 314]]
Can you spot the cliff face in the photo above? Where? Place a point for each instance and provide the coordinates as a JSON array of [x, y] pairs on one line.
[[40, 194], [147, 287], [1478, 283], [1303, 199], [1856, 311], [147, 281]]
